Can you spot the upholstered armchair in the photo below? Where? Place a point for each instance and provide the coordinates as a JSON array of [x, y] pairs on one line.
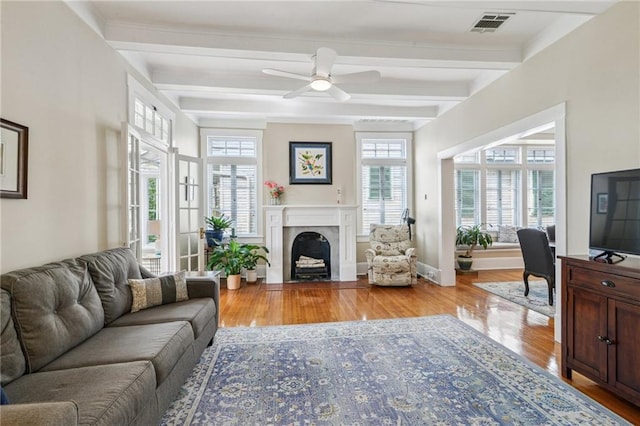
[[391, 258]]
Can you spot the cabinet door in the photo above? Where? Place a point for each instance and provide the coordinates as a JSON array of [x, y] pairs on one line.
[[624, 329], [586, 328]]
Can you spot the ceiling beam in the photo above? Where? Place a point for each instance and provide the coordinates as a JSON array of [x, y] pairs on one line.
[[248, 83], [131, 37], [301, 107]]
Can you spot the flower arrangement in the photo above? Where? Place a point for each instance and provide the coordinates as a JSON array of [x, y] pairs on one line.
[[275, 190]]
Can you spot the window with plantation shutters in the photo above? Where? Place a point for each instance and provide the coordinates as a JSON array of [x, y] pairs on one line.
[[232, 177], [506, 185], [383, 178], [467, 187]]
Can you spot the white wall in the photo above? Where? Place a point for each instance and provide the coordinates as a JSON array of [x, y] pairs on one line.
[[596, 71], [69, 87], [276, 140]]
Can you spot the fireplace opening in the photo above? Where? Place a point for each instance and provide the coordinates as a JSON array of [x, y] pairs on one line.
[[310, 257]]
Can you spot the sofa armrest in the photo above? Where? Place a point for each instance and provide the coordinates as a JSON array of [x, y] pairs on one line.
[[205, 284], [41, 414]]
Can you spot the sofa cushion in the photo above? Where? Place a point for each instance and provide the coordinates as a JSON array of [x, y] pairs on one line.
[[111, 270], [162, 344], [11, 356], [156, 291], [112, 394], [55, 307], [201, 313]]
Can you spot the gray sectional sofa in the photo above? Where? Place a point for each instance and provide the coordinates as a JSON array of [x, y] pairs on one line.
[[72, 352]]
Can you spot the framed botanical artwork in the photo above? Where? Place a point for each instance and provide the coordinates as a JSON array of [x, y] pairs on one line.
[[14, 144], [309, 162], [603, 203]]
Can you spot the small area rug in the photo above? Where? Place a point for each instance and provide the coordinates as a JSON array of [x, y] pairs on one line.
[[537, 300], [415, 371]]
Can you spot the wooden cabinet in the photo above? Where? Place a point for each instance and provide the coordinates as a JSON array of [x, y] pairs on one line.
[[601, 323]]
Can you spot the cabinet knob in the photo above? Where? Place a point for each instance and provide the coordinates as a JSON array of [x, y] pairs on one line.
[[606, 340], [608, 283]]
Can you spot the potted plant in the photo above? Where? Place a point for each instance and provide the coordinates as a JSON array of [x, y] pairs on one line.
[[218, 224], [229, 258], [253, 253], [471, 237]]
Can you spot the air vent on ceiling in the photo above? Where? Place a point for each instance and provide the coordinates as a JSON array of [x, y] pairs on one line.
[[490, 22]]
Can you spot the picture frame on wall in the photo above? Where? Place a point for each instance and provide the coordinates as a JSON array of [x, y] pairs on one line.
[[14, 147], [310, 163]]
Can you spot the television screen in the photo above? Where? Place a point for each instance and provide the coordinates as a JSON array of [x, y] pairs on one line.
[[615, 212]]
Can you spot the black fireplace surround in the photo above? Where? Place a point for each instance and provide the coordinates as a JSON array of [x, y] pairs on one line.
[[315, 245]]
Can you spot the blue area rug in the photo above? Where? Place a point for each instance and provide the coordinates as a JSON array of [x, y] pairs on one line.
[[415, 371], [537, 300]]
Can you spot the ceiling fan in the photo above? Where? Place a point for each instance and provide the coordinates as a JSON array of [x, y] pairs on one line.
[[321, 79]]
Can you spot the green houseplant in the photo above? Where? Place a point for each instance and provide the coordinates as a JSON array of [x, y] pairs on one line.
[[471, 237], [254, 253], [218, 224], [229, 258]]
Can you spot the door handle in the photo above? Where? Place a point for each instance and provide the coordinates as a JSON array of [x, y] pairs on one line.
[[202, 233]]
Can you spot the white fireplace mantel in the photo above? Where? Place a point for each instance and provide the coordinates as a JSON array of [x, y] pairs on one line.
[[340, 215]]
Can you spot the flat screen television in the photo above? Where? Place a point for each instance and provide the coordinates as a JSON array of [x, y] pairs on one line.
[[615, 214]]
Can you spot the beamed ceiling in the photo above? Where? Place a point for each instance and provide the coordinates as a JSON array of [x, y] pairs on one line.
[[207, 56]]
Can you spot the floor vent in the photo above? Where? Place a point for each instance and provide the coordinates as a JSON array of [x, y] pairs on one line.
[[490, 22]]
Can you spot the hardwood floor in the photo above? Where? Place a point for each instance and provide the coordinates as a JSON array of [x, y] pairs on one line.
[[525, 332]]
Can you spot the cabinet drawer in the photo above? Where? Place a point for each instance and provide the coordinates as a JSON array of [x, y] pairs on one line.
[[606, 283]]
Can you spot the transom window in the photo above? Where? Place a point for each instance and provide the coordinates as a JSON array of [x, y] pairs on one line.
[[146, 117], [383, 178], [232, 176], [497, 187]]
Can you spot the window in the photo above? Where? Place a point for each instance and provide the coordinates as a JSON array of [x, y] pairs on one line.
[[232, 176], [383, 178], [467, 187], [497, 187]]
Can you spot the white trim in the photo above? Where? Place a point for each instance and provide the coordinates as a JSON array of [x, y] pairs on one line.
[[538, 122]]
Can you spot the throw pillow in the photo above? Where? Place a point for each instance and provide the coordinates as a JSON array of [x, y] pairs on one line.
[[156, 291], [3, 397], [507, 234]]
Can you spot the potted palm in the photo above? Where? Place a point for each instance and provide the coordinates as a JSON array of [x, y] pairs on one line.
[[470, 237], [253, 253], [229, 258], [218, 224]]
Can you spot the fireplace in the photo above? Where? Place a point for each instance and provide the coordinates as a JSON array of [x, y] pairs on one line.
[[310, 257], [336, 223]]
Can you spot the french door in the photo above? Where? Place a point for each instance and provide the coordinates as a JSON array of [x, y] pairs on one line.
[[148, 224], [189, 212]]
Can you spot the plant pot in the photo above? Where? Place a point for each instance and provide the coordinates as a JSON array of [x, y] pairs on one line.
[[212, 236], [252, 275], [464, 263], [233, 282]]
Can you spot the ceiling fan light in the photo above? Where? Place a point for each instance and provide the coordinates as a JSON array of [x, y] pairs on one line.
[[320, 84]]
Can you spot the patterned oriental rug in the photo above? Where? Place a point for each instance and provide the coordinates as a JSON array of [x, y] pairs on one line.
[[416, 371], [537, 300]]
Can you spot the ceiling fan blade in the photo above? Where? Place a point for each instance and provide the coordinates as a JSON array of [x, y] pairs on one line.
[[325, 58], [338, 94], [287, 74], [298, 92], [357, 77]]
